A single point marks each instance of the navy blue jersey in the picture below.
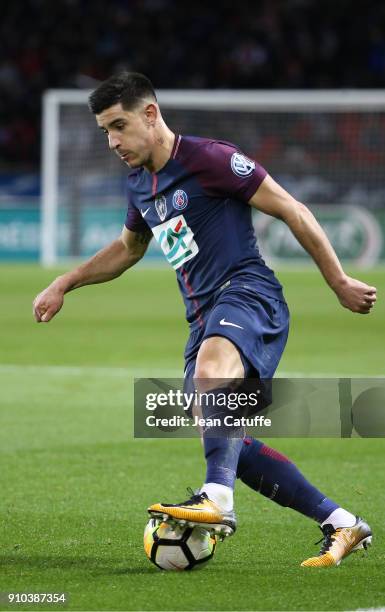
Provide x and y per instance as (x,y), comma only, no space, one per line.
(196,207)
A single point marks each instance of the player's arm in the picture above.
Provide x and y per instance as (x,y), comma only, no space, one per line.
(273,200)
(107,264)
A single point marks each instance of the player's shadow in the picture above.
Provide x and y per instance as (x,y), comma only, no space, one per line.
(94,566)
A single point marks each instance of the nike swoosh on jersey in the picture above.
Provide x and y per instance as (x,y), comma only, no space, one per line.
(223,322)
(144,212)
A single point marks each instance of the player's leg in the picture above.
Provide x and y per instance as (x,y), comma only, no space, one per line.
(273,475)
(239,326)
(218,370)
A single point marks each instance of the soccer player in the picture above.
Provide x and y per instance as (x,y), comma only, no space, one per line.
(195,196)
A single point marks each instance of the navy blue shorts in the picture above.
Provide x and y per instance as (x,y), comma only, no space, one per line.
(256,324)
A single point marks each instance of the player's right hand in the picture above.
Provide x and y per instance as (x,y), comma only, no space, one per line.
(47,304)
(356,296)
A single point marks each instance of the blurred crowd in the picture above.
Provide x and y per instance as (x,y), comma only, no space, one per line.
(223,44)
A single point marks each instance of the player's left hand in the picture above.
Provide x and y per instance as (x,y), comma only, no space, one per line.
(357,296)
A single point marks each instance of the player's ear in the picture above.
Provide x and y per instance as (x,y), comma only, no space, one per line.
(151,114)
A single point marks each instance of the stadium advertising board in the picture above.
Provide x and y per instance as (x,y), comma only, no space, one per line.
(357,234)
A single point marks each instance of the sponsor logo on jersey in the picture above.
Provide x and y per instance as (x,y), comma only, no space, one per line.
(144,212)
(179,199)
(176,240)
(242,165)
(161,207)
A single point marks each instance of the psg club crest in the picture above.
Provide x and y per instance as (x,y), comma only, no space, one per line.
(179,199)
(161,207)
(241,165)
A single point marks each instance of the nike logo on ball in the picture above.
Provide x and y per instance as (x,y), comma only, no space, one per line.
(223,322)
(144,212)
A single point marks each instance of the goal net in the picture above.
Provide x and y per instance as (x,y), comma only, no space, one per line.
(327,148)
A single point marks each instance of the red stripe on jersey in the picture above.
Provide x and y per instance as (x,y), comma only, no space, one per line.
(177,141)
(190,292)
(178,226)
(175,146)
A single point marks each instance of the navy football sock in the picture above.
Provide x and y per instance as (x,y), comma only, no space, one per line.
(222,443)
(274,476)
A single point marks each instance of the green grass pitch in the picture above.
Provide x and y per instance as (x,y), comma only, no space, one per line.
(75,484)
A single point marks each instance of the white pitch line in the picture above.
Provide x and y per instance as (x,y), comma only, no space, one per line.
(325,375)
(382,609)
(119,372)
(124,372)
(90,370)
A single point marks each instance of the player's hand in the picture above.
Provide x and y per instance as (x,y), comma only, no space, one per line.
(48,303)
(357,296)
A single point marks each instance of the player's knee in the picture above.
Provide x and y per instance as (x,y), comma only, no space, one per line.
(206,374)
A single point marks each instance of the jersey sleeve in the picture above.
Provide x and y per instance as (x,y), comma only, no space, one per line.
(134,220)
(229,172)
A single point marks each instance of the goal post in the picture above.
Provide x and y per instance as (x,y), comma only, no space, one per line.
(325,147)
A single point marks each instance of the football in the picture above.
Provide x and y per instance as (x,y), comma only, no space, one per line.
(171,547)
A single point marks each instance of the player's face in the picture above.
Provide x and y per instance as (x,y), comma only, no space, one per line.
(130,133)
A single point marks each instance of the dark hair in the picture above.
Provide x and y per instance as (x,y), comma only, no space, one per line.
(126,88)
